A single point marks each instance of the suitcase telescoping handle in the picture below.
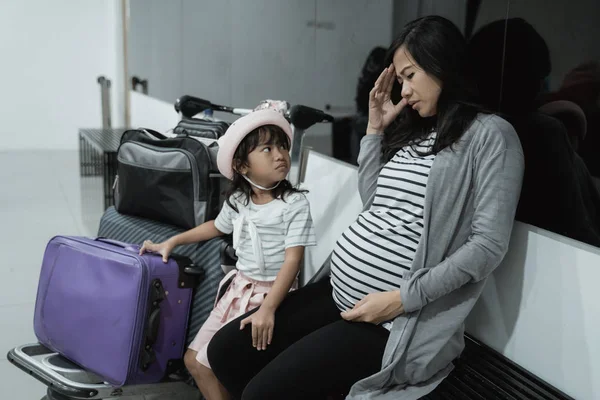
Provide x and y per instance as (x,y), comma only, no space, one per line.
(126,246)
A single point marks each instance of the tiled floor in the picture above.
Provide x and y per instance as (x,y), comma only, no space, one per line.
(39,198)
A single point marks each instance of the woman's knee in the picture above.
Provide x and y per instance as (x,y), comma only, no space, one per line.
(257,392)
(222,346)
(266,386)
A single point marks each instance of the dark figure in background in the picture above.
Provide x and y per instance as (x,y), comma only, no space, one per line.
(558,192)
(581,86)
(370,72)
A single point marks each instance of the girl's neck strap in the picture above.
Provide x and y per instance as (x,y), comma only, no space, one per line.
(258,186)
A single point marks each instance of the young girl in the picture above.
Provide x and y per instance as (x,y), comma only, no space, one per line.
(271,224)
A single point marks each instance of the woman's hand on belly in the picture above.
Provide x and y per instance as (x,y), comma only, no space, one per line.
(376,308)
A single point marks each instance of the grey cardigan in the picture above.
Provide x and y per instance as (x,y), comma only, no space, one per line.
(470,202)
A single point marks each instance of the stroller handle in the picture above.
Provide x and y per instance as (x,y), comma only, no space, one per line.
(301,116)
(189,106)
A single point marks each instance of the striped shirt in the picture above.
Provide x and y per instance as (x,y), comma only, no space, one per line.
(374,252)
(275,226)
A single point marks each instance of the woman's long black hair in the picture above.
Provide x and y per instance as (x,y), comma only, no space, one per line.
(439,48)
(271,135)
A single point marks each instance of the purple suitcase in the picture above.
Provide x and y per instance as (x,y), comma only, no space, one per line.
(113,312)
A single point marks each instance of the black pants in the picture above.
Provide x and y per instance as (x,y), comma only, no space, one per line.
(314,352)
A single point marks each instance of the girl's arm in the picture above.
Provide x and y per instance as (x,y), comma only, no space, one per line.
(208,230)
(300,233)
(285,278)
(263,320)
(200,233)
(222,225)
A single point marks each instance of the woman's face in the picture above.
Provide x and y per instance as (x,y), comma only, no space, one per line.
(420,89)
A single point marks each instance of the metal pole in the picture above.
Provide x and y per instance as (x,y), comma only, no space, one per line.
(105,100)
(125,22)
(296,156)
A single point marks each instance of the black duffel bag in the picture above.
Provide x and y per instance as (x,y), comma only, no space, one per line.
(173,180)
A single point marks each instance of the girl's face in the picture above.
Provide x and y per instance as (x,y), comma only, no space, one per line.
(269,162)
(421,90)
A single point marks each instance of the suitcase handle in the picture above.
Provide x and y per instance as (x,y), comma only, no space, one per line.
(127,246)
(188,272)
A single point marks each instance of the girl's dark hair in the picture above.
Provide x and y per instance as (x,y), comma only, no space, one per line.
(263,135)
(439,48)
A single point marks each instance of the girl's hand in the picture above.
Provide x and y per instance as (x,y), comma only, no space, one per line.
(164,249)
(376,308)
(381,109)
(263,322)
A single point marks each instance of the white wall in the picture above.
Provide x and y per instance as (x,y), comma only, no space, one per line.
(408,10)
(541,309)
(148,112)
(304,51)
(52,53)
(332,210)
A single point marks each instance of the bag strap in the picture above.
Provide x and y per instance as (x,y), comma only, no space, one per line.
(153,133)
(148,132)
